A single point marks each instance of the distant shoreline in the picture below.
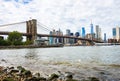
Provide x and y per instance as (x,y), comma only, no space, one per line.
(29,46)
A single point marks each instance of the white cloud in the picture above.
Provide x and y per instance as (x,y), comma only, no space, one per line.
(63,14)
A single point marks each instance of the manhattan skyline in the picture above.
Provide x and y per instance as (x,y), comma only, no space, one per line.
(64,14)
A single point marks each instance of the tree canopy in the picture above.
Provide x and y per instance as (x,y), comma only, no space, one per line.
(15,38)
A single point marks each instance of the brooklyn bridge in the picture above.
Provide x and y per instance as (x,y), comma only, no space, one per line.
(32,34)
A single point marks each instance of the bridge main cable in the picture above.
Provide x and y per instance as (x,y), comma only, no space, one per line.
(12,24)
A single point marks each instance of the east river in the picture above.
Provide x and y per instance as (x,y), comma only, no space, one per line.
(83,61)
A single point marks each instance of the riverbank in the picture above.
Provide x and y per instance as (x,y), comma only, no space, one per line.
(30,46)
(21,74)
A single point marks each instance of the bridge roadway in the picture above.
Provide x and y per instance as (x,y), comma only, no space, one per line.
(59,36)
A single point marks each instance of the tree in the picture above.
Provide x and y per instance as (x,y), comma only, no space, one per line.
(28,42)
(4,42)
(15,38)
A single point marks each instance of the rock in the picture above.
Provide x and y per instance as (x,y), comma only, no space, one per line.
(21,69)
(53,76)
(61,76)
(93,79)
(37,75)
(84,80)
(71,80)
(32,79)
(36,79)
(21,74)
(42,78)
(11,68)
(14,71)
(27,73)
(8,79)
(69,75)
(4,71)
(102,73)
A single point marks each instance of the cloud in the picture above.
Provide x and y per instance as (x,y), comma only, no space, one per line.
(72,14)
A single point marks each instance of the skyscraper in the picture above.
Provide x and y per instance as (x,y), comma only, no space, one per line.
(67,40)
(51,38)
(105,37)
(91,25)
(71,41)
(68,32)
(117,33)
(83,31)
(77,34)
(98,32)
(114,33)
(59,33)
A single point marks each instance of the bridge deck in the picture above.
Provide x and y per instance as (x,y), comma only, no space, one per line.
(46,35)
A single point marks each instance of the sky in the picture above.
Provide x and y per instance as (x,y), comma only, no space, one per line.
(63,14)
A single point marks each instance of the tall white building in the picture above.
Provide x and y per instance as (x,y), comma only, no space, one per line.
(117,33)
(98,32)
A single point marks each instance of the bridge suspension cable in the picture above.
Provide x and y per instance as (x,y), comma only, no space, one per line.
(12,24)
(44,26)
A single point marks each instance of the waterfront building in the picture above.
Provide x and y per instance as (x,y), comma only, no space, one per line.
(40,42)
(114,33)
(59,33)
(71,41)
(51,38)
(68,32)
(91,25)
(83,32)
(77,34)
(117,33)
(98,32)
(105,40)
(112,41)
(67,40)
(55,40)
(71,34)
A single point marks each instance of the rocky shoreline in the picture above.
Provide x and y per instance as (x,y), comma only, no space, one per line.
(21,74)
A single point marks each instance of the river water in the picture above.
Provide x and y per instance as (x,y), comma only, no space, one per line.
(84,61)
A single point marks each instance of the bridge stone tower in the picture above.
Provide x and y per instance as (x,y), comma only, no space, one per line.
(31,29)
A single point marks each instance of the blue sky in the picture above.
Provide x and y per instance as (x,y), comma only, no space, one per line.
(64,14)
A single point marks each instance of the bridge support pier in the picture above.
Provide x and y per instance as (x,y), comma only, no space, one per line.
(89,43)
(31,29)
